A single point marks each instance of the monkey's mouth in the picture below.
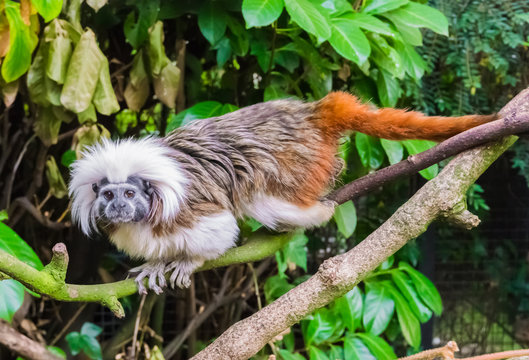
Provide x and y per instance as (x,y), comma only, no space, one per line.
(122,217)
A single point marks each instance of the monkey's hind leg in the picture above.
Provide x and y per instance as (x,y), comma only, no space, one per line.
(279,214)
(155,271)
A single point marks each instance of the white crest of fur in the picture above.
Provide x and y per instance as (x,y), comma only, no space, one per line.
(146,158)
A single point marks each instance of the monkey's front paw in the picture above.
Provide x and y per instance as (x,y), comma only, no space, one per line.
(182,270)
(156,274)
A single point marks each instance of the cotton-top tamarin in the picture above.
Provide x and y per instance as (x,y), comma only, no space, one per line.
(174,201)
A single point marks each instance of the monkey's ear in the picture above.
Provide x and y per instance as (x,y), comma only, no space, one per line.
(148,188)
(95,188)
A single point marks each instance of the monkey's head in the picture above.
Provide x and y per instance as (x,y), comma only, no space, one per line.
(129,201)
(118,182)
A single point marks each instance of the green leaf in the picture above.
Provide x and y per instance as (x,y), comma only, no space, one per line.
(48,9)
(56,351)
(345,217)
(336,352)
(11,243)
(405,286)
(378,309)
(11,297)
(68,158)
(21,44)
(90,329)
(349,41)
(378,347)
(261,12)
(419,15)
(417,146)
(55,180)
(83,74)
(74,342)
(317,354)
(350,308)
(47,125)
(389,89)
(136,32)
(369,22)
(295,251)
(36,75)
(320,328)
(212,21)
(308,17)
(413,63)
(369,149)
(380,6)
(275,286)
(202,110)
(156,50)
(166,85)
(410,34)
(239,41)
(287,355)
(273,92)
(425,288)
(59,54)
(355,349)
(137,89)
(393,149)
(409,324)
(3,215)
(385,56)
(105,99)
(223,48)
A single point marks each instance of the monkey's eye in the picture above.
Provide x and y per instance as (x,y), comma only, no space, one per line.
(109,195)
(129,194)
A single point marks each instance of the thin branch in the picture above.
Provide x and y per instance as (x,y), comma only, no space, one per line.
(444,352)
(24,203)
(22,345)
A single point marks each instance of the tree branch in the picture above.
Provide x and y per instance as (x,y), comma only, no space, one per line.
(23,345)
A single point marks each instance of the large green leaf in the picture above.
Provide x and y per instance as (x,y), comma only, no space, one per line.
(308,17)
(137,31)
(166,85)
(410,34)
(370,151)
(389,89)
(369,22)
(425,288)
(321,327)
(105,99)
(409,324)
(350,308)
(36,75)
(349,41)
(381,6)
(378,309)
(21,44)
(345,217)
(317,354)
(355,349)
(261,12)
(47,125)
(393,149)
(137,89)
(295,251)
(59,54)
(239,41)
(275,286)
(48,9)
(287,355)
(156,50)
(83,74)
(417,146)
(413,63)
(405,286)
(419,15)
(11,243)
(378,347)
(11,298)
(212,21)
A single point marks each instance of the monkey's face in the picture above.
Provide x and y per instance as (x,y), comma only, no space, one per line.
(119,203)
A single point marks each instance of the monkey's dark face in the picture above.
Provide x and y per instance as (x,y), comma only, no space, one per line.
(122,202)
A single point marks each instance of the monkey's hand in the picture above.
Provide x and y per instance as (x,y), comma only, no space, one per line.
(155,271)
(182,270)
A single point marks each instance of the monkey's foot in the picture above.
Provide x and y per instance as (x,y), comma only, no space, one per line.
(156,274)
(182,270)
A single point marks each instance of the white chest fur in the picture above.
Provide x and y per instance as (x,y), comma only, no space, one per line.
(210,237)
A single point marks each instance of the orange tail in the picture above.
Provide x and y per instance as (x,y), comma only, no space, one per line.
(339,111)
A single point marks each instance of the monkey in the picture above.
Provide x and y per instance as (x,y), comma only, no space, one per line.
(174,201)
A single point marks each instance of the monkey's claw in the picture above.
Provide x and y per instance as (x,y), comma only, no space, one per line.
(182,270)
(156,274)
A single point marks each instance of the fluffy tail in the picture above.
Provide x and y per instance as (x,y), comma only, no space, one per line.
(339,112)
